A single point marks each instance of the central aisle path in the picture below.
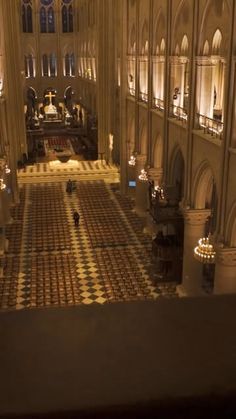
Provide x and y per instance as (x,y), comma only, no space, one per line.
(52,262)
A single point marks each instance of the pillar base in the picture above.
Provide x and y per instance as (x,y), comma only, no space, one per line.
(225,271)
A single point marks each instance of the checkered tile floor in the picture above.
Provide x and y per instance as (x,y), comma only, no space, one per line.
(50,262)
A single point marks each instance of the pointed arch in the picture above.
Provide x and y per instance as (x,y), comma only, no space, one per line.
(206,48)
(144,39)
(216,42)
(184,45)
(204,180)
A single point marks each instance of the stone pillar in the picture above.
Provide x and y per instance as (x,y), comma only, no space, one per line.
(106,92)
(225,271)
(194,229)
(141,196)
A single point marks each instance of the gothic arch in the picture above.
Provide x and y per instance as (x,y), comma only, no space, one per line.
(132,43)
(159,30)
(181,20)
(211,8)
(158,152)
(203,186)
(230,231)
(144,38)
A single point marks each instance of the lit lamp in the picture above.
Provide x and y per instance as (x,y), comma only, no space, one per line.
(132,160)
(7,169)
(143,176)
(204,252)
(176,93)
(1,87)
(2,185)
(158,191)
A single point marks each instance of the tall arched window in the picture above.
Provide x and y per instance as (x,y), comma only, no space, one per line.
(47,20)
(67,16)
(53,65)
(43,23)
(69,65)
(27,24)
(51,21)
(29,66)
(45,65)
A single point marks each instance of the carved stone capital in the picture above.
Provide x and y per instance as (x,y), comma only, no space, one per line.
(195,216)
(226,256)
(155,173)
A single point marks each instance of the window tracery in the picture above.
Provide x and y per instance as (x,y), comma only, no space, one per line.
(26,14)
(67,16)
(47,18)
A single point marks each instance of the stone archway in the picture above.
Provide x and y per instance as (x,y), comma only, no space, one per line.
(204,188)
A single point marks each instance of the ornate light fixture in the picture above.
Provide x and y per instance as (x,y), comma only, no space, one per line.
(205,252)
(143,176)
(158,191)
(4,165)
(2,185)
(132,160)
(7,169)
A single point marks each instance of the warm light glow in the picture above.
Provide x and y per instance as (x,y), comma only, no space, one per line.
(143,175)
(158,191)
(132,161)
(2,185)
(204,252)
(7,169)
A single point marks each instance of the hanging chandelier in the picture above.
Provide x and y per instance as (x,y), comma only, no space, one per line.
(204,252)
(158,191)
(132,161)
(143,176)
(7,169)
(2,185)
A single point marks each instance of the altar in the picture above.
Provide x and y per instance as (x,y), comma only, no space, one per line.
(51,113)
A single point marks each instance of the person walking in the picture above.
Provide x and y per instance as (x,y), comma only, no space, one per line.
(76,217)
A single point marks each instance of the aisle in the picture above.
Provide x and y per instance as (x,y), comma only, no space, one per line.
(50,262)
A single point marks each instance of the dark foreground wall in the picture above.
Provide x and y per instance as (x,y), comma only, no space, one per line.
(166,359)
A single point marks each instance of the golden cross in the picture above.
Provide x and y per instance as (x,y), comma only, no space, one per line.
(50,95)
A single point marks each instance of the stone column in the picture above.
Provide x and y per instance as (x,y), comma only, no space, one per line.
(194,229)
(225,271)
(141,196)
(106,92)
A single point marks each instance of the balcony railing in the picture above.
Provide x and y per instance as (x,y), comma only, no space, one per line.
(210,126)
(143,97)
(178,113)
(158,103)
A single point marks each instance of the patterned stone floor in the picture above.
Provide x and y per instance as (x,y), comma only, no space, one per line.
(50,262)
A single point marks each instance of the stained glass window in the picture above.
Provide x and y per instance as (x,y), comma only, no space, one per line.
(67,16)
(26,14)
(47,19)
